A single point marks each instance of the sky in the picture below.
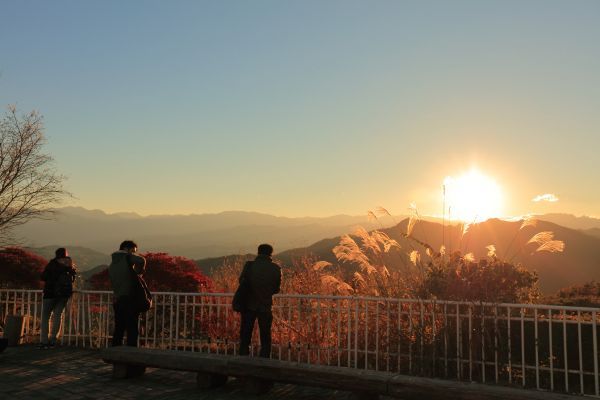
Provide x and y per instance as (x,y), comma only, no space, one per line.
(311,108)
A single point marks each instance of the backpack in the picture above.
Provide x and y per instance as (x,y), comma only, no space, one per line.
(140,294)
(63,285)
(240,297)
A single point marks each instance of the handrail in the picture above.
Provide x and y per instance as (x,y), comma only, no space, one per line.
(358,298)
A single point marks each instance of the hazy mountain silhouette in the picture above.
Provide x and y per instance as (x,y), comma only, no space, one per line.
(84,258)
(92,235)
(194,236)
(87,274)
(571,221)
(593,232)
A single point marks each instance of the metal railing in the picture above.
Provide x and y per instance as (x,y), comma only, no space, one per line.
(544,347)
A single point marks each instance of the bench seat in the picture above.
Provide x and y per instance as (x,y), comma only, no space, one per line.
(214,369)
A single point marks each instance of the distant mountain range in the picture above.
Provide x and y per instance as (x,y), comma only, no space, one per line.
(194,236)
(571,221)
(92,235)
(593,232)
(84,258)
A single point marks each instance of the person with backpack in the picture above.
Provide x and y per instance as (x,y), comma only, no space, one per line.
(259,281)
(122,271)
(58,277)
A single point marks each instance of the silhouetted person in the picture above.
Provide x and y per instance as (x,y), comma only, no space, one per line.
(125,263)
(58,277)
(263,278)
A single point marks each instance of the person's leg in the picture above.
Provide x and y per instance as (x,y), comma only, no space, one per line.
(57,315)
(120,321)
(246,327)
(133,319)
(265,319)
(47,306)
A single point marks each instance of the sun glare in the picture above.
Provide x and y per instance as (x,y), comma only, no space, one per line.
(472,197)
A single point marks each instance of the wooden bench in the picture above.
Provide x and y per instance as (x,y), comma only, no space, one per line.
(258,374)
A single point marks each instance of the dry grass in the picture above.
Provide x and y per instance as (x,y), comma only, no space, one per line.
(541,237)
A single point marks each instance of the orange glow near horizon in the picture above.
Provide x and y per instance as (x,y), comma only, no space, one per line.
(472,197)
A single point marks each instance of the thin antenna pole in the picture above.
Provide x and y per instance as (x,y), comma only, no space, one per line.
(450,231)
(444,218)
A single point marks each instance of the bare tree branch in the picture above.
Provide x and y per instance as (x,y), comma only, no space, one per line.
(30,187)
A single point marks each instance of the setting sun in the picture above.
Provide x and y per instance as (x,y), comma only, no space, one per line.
(472,197)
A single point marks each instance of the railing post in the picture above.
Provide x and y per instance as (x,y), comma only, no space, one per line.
(551,352)
(470,342)
(388,305)
(537,355)
(523,369)
(445,327)
(509,323)
(458,343)
(565,351)
(580,348)
(496,344)
(410,336)
(595,353)
(483,360)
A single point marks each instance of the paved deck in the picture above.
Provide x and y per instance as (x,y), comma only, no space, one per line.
(71,373)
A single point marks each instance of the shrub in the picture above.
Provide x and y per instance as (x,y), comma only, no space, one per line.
(164,273)
(20,269)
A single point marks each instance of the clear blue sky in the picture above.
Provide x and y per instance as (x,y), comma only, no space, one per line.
(310,107)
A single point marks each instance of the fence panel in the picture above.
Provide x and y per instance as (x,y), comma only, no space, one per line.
(534,346)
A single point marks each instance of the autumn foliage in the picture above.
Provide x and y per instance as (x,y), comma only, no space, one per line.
(20,269)
(164,273)
(487,280)
(585,295)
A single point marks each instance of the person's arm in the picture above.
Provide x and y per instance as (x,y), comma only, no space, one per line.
(72,269)
(73,272)
(46,273)
(244,274)
(139,264)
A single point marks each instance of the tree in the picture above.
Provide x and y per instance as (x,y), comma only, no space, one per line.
(29,184)
(584,295)
(20,269)
(461,277)
(164,273)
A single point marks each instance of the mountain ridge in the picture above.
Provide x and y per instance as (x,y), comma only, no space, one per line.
(194,236)
(233,233)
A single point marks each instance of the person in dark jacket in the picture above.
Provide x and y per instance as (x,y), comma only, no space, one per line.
(58,277)
(120,271)
(263,278)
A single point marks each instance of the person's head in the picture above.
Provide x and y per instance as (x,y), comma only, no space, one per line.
(61,252)
(265,250)
(129,246)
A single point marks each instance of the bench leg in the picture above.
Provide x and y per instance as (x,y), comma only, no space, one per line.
(119,371)
(364,396)
(208,381)
(257,386)
(122,371)
(134,371)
